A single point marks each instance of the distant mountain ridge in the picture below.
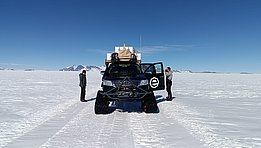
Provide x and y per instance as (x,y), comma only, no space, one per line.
(80,67)
(183,71)
(99,68)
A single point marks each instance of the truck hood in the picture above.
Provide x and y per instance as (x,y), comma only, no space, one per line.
(138,77)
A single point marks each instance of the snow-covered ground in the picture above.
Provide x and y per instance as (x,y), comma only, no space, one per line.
(42,109)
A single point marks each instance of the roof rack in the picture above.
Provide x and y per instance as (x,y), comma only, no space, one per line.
(123,54)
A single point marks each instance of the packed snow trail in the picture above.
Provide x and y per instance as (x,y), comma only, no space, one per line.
(42,109)
(52,125)
(121,129)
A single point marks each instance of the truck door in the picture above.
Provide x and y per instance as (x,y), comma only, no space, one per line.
(155,74)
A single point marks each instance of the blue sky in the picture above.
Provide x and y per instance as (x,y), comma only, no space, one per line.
(200,35)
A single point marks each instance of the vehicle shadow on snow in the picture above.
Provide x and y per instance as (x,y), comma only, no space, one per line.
(92,99)
(121,106)
(134,106)
(160,98)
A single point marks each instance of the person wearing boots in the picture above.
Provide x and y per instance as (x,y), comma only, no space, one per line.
(82,84)
(169,75)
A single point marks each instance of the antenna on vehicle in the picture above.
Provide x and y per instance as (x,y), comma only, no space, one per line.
(140,43)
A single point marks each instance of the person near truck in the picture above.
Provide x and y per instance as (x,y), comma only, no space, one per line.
(82,84)
(169,75)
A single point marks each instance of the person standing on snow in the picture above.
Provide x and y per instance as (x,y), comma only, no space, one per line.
(169,75)
(82,84)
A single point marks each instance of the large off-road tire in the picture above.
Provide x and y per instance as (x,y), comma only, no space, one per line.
(101,104)
(149,104)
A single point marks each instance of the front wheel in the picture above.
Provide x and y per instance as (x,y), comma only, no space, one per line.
(101,104)
(149,104)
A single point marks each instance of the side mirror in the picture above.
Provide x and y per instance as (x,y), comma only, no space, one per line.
(102,72)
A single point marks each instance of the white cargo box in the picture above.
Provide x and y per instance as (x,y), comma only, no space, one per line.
(131,49)
(108,56)
(124,53)
(138,56)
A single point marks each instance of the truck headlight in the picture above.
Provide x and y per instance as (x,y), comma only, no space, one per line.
(143,82)
(107,83)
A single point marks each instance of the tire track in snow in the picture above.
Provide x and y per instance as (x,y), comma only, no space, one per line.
(10,132)
(145,130)
(90,130)
(157,130)
(85,130)
(40,134)
(74,133)
(54,122)
(189,119)
(118,133)
(105,131)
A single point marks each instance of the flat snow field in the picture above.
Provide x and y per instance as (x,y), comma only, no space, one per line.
(42,109)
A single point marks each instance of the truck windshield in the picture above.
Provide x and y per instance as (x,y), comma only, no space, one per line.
(124,70)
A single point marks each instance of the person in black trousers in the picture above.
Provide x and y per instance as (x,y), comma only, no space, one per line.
(169,75)
(82,84)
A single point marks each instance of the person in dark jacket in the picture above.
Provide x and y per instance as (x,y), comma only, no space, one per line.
(82,84)
(169,75)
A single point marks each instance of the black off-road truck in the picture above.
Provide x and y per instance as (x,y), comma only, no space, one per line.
(129,81)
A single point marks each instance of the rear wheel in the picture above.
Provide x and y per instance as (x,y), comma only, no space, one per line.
(149,104)
(101,104)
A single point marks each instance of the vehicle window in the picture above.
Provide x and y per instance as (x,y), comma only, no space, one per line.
(144,67)
(124,70)
(158,68)
(150,70)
